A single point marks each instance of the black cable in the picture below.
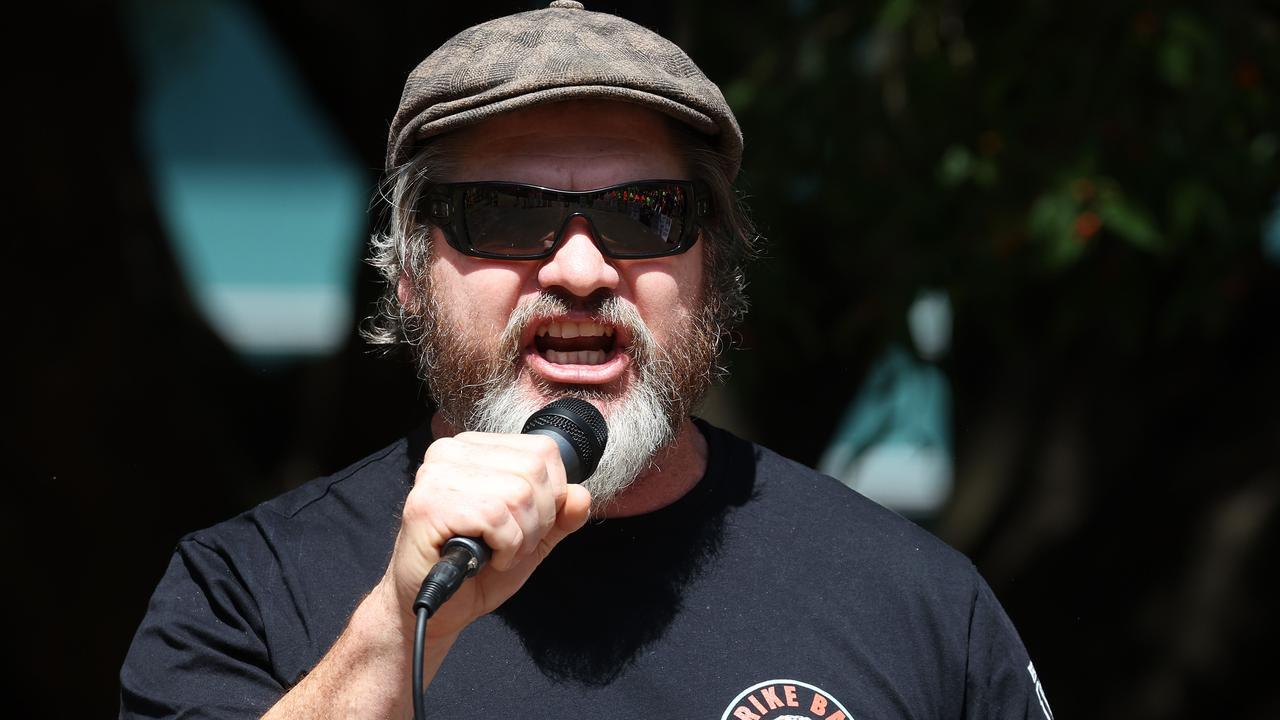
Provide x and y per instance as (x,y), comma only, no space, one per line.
(580,434)
(460,558)
(419,649)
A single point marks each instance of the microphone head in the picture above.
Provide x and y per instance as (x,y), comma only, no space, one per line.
(579,423)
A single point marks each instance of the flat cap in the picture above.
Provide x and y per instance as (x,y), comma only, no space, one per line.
(562,52)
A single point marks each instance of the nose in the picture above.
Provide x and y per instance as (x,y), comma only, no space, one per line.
(577,265)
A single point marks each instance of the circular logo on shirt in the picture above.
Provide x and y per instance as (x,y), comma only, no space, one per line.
(785,700)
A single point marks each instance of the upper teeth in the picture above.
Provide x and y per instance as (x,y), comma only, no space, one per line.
(575,329)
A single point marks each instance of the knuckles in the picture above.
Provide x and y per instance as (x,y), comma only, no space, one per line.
(528,456)
(417,507)
(490,510)
(469,482)
(443,448)
(545,446)
(521,496)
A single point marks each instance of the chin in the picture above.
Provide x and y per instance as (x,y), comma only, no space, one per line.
(605,397)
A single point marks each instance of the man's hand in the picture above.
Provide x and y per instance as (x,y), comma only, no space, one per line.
(508,490)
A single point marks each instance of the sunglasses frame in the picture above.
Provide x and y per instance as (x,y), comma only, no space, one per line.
(442,203)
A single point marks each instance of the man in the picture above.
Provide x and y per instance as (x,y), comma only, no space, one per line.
(562,224)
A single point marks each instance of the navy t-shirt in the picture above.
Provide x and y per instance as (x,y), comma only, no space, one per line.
(767,592)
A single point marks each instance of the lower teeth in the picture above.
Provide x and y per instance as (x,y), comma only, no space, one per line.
(579,357)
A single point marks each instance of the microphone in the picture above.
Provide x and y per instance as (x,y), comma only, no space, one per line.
(580,433)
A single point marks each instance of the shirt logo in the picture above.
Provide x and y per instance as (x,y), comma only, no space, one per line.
(1044,701)
(785,700)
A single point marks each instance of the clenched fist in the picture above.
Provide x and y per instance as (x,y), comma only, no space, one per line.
(509,491)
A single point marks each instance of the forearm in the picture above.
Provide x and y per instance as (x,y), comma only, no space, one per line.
(508,490)
(366,674)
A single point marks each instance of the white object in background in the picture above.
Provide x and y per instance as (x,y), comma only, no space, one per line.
(894,443)
(264,204)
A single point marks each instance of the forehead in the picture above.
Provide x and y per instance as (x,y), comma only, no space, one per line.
(575,145)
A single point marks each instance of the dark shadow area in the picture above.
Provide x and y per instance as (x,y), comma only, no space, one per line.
(626,575)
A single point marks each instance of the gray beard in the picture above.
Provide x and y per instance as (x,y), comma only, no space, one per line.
(638,429)
(642,421)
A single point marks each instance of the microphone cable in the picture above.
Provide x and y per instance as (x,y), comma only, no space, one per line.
(460,558)
(419,649)
(580,433)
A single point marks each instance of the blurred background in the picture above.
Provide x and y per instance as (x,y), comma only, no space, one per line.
(1022,284)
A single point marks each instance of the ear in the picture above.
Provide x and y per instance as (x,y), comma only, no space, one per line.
(404,292)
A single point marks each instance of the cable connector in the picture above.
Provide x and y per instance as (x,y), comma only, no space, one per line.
(460,558)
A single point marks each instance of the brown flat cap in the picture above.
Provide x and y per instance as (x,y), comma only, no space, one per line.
(560,53)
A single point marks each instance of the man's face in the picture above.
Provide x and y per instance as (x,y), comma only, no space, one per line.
(640,323)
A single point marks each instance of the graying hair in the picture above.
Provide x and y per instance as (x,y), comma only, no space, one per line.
(402,247)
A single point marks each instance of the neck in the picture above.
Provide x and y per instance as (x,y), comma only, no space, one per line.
(674,471)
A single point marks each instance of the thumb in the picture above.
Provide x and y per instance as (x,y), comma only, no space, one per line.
(572,516)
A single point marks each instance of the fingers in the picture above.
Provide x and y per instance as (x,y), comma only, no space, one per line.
(540,445)
(505,489)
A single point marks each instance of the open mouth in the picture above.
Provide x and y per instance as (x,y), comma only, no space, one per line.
(583,342)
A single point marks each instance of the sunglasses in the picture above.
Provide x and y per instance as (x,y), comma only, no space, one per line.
(515,221)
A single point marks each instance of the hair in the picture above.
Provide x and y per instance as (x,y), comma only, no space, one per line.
(402,247)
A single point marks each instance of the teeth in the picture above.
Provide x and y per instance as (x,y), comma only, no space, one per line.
(580,357)
(575,329)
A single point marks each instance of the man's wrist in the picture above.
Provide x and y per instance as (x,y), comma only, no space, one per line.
(383,620)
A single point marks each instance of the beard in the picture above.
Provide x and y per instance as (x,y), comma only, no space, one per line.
(486,389)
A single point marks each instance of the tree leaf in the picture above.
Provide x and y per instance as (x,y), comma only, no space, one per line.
(1130,222)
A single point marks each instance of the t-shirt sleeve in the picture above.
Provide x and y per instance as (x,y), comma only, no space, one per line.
(1000,680)
(199,652)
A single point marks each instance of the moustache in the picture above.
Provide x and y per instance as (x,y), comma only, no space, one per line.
(603,308)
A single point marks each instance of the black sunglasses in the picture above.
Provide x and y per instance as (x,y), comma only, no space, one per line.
(515,221)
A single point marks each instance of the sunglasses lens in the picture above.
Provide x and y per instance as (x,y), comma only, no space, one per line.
(516,221)
(511,221)
(641,220)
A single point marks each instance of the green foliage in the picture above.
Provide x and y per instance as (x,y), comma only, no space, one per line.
(996,149)
(1129,221)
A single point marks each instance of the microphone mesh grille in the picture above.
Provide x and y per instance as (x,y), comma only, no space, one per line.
(578,422)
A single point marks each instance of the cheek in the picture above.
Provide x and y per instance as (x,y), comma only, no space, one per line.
(481,294)
(668,293)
